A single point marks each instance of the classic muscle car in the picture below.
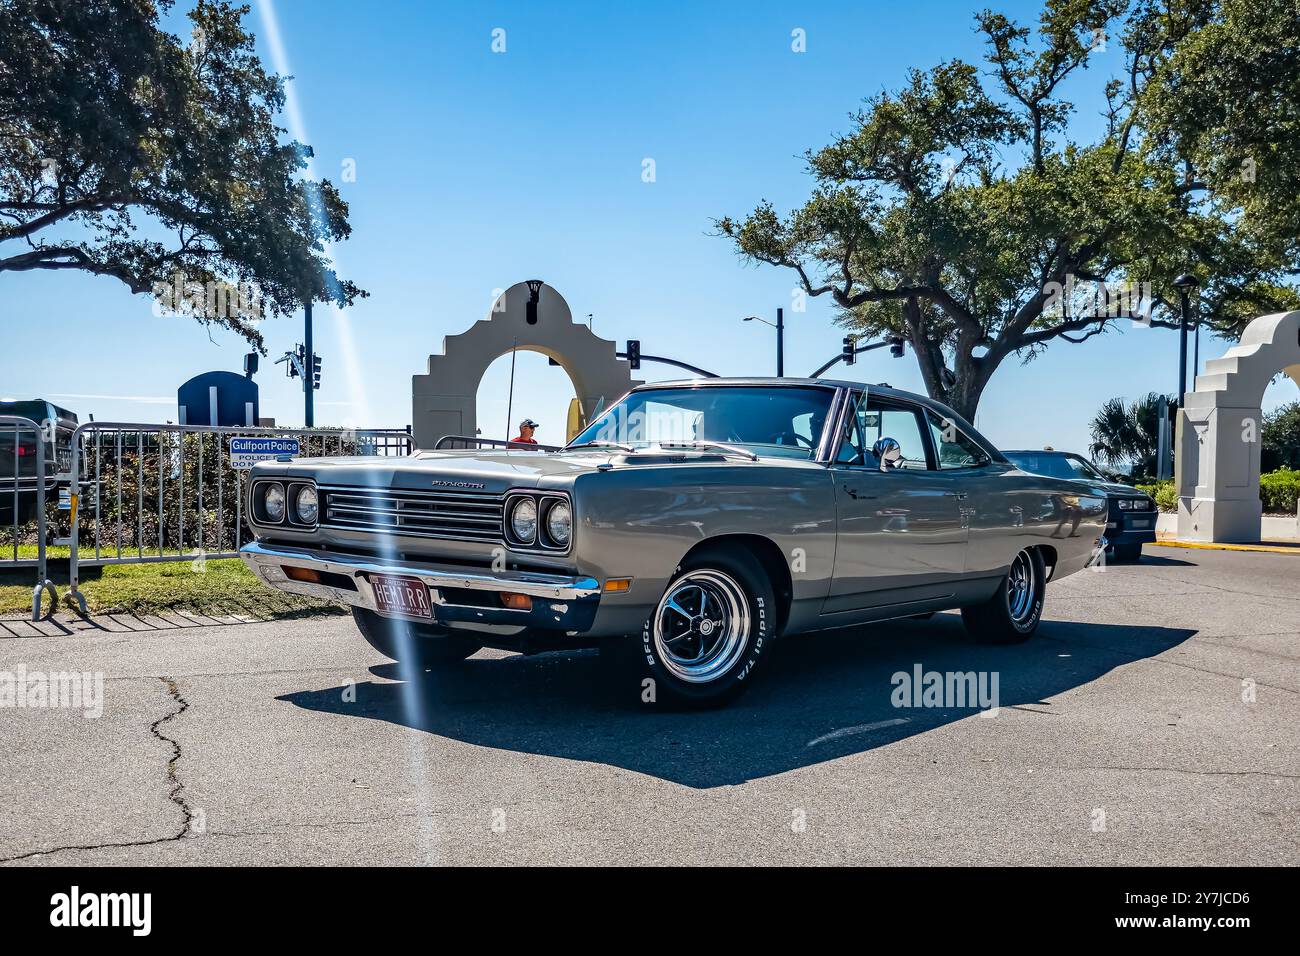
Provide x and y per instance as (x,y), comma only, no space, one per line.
(682,532)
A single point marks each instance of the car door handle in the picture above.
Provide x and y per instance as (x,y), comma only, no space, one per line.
(959,495)
(855,494)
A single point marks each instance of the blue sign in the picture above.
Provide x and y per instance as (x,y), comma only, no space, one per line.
(246,452)
(218,398)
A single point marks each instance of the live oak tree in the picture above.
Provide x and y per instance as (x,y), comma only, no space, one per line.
(959,212)
(128,152)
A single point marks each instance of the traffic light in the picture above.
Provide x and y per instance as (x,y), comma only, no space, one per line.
(849,352)
(897,347)
(634,353)
(315,371)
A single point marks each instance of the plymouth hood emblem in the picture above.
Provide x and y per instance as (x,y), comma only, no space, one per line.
(442,483)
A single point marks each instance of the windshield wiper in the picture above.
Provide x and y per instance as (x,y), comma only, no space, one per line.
(601,444)
(734,449)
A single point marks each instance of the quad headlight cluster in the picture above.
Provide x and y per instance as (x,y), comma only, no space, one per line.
(275,501)
(1136,504)
(542,521)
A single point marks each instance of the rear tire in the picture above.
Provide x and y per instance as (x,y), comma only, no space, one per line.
(702,645)
(1128,553)
(1012,614)
(420,645)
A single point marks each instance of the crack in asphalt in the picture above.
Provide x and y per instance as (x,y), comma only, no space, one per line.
(175,791)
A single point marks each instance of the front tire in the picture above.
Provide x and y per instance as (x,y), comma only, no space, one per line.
(422,646)
(703,642)
(1012,614)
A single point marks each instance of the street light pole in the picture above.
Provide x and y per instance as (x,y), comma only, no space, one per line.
(779,325)
(1185,283)
(1196,352)
(780,343)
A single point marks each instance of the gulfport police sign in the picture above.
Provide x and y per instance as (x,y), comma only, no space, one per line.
(247,452)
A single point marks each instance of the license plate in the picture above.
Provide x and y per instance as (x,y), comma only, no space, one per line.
(1144,523)
(408,597)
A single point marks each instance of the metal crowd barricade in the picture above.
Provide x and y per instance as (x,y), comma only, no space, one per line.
(153,493)
(16,425)
(464,442)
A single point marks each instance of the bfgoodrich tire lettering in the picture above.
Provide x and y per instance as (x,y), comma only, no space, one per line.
(702,644)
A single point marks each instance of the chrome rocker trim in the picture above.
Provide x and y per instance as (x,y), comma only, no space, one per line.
(576,597)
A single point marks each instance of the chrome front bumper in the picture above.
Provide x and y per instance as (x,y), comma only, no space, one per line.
(560,603)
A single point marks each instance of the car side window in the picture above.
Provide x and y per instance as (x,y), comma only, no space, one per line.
(851,450)
(955,449)
(904,426)
(869,422)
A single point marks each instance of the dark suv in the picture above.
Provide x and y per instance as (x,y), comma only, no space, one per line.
(18,458)
(1131,521)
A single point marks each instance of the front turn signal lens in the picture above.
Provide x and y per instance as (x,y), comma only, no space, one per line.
(516,602)
(309,575)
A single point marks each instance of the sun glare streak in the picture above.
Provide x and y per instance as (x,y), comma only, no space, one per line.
(411,688)
(360,405)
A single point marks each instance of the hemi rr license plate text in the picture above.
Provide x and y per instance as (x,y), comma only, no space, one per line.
(407,597)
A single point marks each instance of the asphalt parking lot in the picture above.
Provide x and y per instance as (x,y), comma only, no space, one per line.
(1125,735)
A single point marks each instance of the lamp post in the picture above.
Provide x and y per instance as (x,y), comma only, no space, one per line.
(779,325)
(1185,283)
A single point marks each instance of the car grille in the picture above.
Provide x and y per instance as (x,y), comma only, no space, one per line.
(469,516)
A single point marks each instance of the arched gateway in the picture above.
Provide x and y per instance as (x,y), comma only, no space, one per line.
(1219,432)
(528,315)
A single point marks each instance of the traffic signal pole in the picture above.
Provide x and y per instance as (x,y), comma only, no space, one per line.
(848,355)
(308,379)
(635,357)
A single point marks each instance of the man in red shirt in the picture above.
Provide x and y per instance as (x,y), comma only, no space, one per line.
(526,429)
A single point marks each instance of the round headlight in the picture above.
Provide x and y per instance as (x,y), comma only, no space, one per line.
(273,502)
(559,523)
(306,505)
(523,520)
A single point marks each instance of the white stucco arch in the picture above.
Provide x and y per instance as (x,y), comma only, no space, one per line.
(1218,448)
(444,400)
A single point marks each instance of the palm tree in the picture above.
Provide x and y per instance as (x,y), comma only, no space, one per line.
(1128,433)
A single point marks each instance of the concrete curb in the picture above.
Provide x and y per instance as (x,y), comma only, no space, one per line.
(1216,546)
(64,624)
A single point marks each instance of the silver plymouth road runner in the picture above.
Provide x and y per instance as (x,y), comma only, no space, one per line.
(682,532)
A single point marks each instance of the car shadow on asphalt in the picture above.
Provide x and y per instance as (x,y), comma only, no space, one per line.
(1162,561)
(822,696)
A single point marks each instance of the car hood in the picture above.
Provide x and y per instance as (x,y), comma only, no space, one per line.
(475,471)
(1116,489)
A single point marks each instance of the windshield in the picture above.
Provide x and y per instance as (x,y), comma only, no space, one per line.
(785,421)
(1054,465)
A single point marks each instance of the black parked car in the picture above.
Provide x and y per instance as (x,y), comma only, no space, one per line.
(18,458)
(1131,521)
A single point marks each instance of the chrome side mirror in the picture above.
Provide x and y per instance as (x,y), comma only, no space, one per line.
(888,452)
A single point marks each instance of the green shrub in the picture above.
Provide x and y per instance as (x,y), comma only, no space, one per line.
(1278,490)
(1164,492)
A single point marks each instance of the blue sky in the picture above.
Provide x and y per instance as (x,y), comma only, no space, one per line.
(475,170)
